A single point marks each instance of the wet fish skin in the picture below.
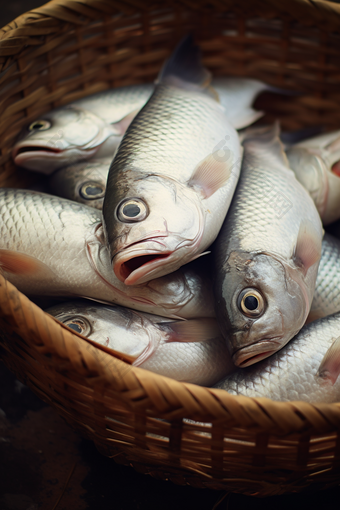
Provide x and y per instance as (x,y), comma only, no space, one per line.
(71,134)
(269,245)
(147,338)
(291,373)
(110,112)
(316,165)
(52,246)
(326,299)
(83,182)
(167,162)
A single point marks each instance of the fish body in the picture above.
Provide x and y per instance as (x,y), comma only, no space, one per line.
(52,246)
(150,341)
(65,136)
(266,255)
(96,124)
(316,163)
(292,373)
(326,299)
(173,177)
(83,182)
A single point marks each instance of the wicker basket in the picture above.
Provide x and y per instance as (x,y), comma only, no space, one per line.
(69,49)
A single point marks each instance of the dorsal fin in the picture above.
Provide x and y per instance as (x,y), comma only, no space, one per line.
(184,69)
(266,141)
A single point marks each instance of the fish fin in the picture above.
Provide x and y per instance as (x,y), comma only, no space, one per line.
(121,126)
(314,315)
(329,368)
(289,138)
(244,119)
(193,330)
(336,168)
(212,173)
(284,92)
(266,140)
(334,145)
(308,246)
(200,255)
(184,68)
(21,264)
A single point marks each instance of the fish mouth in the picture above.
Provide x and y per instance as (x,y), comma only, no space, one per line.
(133,267)
(21,154)
(256,352)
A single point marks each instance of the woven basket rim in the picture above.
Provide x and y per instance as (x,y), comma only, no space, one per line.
(30,27)
(105,370)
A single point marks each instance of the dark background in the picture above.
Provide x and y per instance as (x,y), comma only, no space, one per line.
(44,464)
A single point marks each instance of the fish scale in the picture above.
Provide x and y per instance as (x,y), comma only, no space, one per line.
(272,227)
(290,374)
(253,210)
(170,168)
(48,247)
(171,117)
(326,299)
(148,338)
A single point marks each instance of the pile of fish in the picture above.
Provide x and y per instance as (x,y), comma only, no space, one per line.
(201,247)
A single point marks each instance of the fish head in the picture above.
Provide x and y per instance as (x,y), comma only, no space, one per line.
(114,327)
(83,182)
(264,304)
(156,226)
(59,138)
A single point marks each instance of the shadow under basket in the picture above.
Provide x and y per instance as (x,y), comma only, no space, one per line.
(66,50)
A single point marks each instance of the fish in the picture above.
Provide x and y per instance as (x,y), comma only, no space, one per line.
(189,351)
(305,369)
(173,176)
(95,125)
(50,246)
(266,257)
(316,163)
(83,182)
(326,298)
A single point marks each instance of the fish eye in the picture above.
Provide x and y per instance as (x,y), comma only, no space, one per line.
(92,190)
(131,210)
(39,125)
(79,325)
(251,303)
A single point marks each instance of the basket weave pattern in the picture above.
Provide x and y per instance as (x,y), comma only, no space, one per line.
(66,50)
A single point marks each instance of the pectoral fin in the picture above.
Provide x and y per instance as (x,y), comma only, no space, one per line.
(330,365)
(246,117)
(193,330)
(21,264)
(121,126)
(308,246)
(213,172)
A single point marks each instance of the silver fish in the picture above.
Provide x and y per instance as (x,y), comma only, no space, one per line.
(305,369)
(83,182)
(326,299)
(189,351)
(173,177)
(267,254)
(52,246)
(316,163)
(96,124)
